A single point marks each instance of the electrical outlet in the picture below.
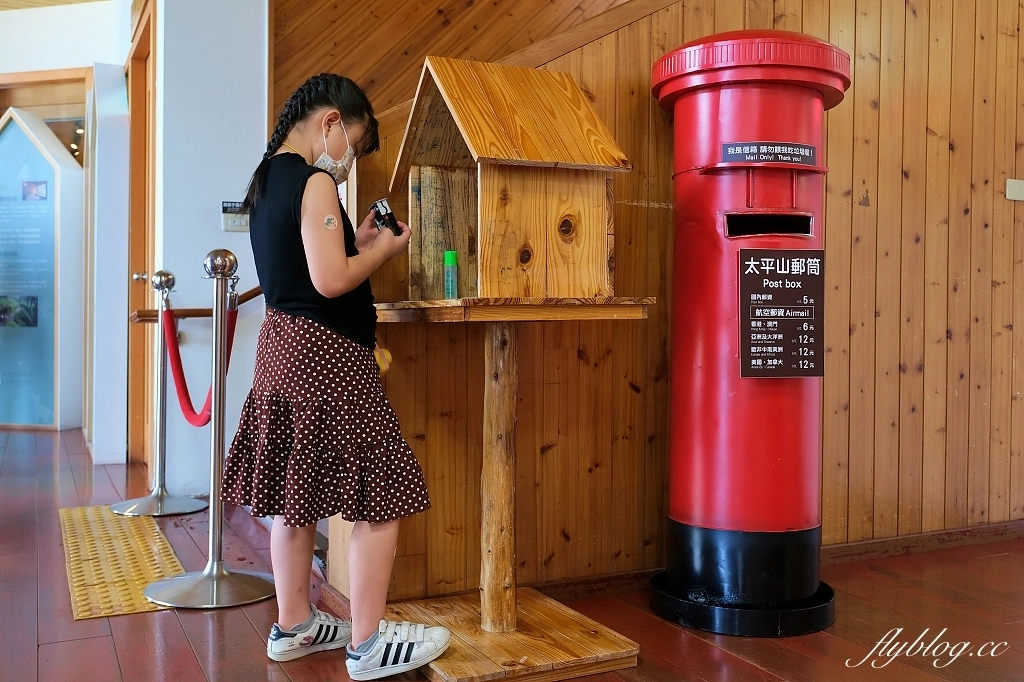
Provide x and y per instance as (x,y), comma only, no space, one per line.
(231,219)
(1015,190)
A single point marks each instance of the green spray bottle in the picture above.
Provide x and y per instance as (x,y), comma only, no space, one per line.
(451,274)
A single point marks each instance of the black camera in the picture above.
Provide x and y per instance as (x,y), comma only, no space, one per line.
(384,217)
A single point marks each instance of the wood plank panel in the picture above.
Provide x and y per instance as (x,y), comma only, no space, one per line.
(590,475)
(579,36)
(530,448)
(471,377)
(759,14)
(1004,142)
(788,15)
(411,30)
(838,216)
(32,95)
(406,385)
(79,660)
(228,647)
(816,19)
(574,227)
(371,178)
(634,232)
(936,239)
(668,33)
(19,556)
(595,475)
(887,299)
(432,137)
(698,18)
(563,424)
(980,413)
(444,201)
(729,15)
(1017,405)
(958,279)
(513,246)
(446,426)
(560,505)
(912,257)
(169,654)
(864,224)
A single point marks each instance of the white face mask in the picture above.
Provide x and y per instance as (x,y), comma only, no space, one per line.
(339,170)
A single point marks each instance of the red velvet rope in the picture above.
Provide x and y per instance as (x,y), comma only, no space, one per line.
(174,355)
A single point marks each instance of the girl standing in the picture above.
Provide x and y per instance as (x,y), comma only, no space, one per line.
(317,436)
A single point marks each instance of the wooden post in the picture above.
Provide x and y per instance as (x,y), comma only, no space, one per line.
(498,487)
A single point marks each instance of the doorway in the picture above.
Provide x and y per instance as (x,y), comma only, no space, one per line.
(140,72)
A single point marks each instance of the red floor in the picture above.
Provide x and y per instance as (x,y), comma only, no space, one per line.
(976,592)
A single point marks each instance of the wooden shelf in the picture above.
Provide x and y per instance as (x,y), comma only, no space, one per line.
(552,642)
(515,309)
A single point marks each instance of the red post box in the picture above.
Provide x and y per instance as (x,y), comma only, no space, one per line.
(747,327)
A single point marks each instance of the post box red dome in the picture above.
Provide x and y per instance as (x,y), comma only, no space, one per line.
(756,56)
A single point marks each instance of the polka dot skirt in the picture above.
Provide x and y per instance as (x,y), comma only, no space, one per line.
(317,435)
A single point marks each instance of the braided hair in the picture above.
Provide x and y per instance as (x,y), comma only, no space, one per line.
(326,91)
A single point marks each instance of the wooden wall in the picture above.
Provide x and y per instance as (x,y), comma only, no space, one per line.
(381,45)
(923,421)
(56,100)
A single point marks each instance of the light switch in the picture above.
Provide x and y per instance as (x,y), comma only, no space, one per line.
(232,220)
(1015,190)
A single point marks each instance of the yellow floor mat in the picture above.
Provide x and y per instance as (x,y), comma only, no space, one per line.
(110,560)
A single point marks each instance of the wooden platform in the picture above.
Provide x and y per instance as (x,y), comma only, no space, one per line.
(551,642)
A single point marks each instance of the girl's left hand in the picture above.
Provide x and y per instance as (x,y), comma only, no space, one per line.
(367,232)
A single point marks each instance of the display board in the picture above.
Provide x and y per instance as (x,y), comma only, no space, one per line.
(32,206)
(782,329)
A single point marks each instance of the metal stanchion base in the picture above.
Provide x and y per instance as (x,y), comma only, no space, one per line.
(214,588)
(159,503)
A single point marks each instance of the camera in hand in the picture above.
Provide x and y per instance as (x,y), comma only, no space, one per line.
(384,217)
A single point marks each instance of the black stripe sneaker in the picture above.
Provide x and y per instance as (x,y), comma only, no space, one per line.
(320,632)
(396,648)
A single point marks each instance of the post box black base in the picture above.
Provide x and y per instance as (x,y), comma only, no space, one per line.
(783,620)
(741,568)
(753,583)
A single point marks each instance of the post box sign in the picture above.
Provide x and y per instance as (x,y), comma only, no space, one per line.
(770,152)
(782,295)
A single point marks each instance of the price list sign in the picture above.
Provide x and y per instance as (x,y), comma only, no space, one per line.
(782,295)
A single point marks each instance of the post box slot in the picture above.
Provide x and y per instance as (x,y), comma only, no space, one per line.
(749,224)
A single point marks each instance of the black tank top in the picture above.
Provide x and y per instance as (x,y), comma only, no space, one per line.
(275,231)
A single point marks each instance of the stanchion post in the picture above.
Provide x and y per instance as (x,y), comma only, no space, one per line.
(215,586)
(159,502)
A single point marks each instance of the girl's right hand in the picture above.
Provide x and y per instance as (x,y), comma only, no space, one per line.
(391,243)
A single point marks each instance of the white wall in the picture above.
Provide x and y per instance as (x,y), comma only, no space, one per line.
(109,428)
(64,36)
(210,134)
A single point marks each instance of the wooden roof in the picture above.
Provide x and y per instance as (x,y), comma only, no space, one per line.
(474,112)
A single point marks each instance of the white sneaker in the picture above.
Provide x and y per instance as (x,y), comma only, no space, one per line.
(400,647)
(324,632)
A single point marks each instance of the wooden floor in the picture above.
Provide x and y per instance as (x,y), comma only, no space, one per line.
(976,592)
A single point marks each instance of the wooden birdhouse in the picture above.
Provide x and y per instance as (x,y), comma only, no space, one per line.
(510,168)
